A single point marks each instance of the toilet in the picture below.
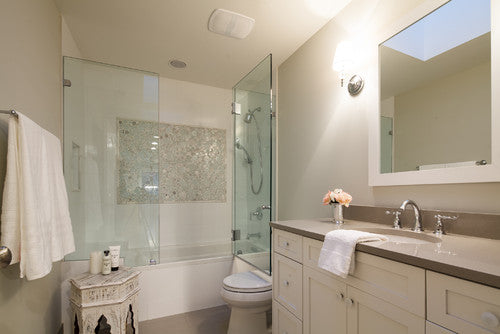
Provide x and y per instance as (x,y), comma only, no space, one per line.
(249,295)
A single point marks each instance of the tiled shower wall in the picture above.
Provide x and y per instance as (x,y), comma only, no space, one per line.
(192,163)
(205,115)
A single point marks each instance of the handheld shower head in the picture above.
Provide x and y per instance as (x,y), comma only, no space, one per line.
(249,115)
(240,146)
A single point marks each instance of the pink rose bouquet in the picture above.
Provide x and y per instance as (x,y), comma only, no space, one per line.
(337,196)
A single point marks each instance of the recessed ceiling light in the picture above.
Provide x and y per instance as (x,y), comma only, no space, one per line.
(176,63)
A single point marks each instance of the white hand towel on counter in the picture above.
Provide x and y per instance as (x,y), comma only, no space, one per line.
(45,228)
(337,253)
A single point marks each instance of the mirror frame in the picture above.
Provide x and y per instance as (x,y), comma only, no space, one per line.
(469,174)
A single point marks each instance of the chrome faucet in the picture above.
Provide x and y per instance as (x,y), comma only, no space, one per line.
(418,214)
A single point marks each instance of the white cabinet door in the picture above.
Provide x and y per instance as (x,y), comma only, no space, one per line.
(370,315)
(324,310)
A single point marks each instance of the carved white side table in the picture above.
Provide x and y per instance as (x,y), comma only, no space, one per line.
(106,303)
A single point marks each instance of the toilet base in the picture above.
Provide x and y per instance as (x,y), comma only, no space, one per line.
(248,321)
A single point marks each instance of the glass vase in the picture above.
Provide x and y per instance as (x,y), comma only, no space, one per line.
(337,214)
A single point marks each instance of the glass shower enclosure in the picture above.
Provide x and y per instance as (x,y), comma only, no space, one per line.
(252,174)
(111,159)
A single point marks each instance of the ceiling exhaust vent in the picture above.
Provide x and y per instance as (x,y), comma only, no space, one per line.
(230,24)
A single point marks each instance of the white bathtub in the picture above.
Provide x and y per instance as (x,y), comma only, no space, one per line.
(188,278)
(178,253)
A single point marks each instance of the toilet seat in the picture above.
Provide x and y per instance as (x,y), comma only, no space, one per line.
(246,282)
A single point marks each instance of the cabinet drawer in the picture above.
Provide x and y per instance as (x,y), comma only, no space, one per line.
(287,284)
(284,322)
(462,306)
(288,244)
(397,283)
(432,328)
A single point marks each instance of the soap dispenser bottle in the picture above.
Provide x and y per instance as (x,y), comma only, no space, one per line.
(106,263)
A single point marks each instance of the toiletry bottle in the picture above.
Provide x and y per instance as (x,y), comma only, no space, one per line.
(95,262)
(115,257)
(106,263)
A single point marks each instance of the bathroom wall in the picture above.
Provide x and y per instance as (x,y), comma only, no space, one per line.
(323,131)
(30,82)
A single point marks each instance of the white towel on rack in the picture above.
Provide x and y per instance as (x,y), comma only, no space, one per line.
(45,228)
(10,220)
(337,253)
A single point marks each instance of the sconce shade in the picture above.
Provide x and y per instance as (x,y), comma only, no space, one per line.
(343,59)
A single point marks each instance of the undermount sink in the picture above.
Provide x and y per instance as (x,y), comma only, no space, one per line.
(403,236)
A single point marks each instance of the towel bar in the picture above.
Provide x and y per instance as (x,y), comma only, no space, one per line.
(10,112)
(5,256)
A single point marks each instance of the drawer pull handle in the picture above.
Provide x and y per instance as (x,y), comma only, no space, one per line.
(349,302)
(489,319)
(286,283)
(286,243)
(340,295)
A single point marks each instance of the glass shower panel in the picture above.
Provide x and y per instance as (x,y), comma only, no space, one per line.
(111,159)
(252,211)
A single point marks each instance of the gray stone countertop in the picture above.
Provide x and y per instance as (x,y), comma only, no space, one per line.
(471,258)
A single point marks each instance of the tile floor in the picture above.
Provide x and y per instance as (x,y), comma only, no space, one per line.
(208,321)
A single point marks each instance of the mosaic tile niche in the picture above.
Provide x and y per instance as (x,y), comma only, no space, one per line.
(192,162)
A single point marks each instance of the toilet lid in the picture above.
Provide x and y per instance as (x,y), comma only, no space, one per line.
(246,282)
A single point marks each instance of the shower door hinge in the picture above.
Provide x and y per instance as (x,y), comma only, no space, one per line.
(235,108)
(236,235)
(273,114)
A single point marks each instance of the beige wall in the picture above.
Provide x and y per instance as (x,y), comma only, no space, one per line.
(323,132)
(446,120)
(30,81)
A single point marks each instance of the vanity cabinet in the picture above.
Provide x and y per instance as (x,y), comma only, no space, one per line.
(378,298)
(382,296)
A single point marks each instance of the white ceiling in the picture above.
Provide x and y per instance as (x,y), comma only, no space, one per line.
(146,34)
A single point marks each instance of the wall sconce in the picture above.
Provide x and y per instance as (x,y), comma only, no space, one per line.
(342,63)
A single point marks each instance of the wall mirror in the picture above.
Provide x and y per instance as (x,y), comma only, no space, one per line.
(435,121)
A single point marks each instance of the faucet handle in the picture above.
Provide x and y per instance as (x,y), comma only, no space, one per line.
(439,224)
(397,222)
